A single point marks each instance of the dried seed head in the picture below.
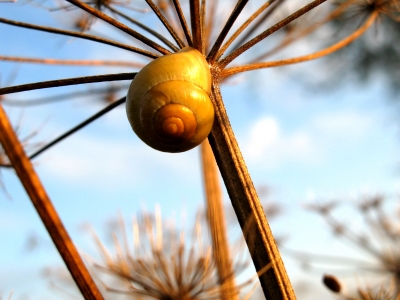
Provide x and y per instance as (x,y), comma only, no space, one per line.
(332,283)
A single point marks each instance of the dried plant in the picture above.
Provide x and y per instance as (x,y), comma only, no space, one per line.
(333,284)
(160,265)
(274,282)
(380,239)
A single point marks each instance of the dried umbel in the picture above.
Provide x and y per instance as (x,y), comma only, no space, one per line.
(168,103)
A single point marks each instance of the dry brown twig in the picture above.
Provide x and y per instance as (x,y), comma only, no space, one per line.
(274,282)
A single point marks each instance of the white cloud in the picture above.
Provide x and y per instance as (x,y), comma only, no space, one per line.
(88,159)
(347,125)
(314,141)
(263,135)
(267,143)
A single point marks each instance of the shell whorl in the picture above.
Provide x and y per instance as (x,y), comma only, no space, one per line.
(168,104)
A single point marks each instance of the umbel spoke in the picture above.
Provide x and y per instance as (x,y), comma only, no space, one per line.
(119,25)
(356,34)
(75,129)
(166,24)
(220,39)
(65,82)
(78,35)
(224,62)
(71,62)
(144,27)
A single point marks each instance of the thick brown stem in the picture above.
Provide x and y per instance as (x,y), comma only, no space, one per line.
(45,209)
(216,221)
(274,282)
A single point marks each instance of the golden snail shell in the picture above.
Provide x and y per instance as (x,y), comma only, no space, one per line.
(168,103)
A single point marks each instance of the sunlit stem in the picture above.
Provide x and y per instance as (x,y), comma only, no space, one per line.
(224,32)
(298,35)
(195,22)
(49,216)
(78,35)
(217,224)
(165,22)
(182,20)
(65,82)
(144,27)
(224,62)
(262,246)
(241,28)
(356,34)
(119,25)
(71,62)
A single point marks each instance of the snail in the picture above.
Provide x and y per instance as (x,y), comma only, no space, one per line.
(168,103)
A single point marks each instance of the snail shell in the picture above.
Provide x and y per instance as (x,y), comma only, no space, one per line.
(168,103)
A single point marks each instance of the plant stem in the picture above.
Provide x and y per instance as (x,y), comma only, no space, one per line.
(144,27)
(182,20)
(45,209)
(72,62)
(233,37)
(119,25)
(197,36)
(274,282)
(224,32)
(79,35)
(217,226)
(165,22)
(224,62)
(355,35)
(65,82)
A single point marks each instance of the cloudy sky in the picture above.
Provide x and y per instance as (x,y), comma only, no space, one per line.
(305,146)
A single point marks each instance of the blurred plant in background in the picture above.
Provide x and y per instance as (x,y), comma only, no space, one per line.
(377,236)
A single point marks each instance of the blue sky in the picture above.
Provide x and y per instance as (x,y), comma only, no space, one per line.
(304,146)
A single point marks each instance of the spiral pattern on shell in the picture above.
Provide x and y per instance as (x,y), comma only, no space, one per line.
(168,103)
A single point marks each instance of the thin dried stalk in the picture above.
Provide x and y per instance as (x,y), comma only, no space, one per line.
(210,23)
(182,20)
(71,62)
(196,24)
(275,282)
(271,10)
(216,222)
(79,35)
(355,35)
(203,9)
(166,23)
(222,50)
(119,25)
(65,82)
(100,92)
(144,27)
(224,32)
(45,209)
(269,31)
(298,35)
(74,129)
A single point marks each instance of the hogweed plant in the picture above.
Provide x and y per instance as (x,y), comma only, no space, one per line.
(202,53)
(161,261)
(379,238)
